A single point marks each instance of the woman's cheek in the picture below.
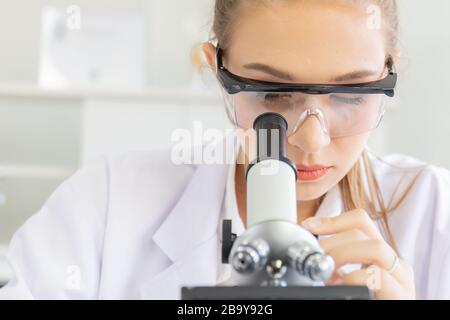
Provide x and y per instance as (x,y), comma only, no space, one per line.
(348,151)
(342,153)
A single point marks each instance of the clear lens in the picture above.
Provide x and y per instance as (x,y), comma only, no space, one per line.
(344,114)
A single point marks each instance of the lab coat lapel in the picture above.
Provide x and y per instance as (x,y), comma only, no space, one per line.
(332,205)
(189,237)
(197,268)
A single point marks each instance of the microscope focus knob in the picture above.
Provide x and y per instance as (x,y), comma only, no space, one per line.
(319,267)
(250,256)
(310,261)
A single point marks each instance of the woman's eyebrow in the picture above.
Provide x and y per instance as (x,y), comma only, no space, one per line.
(360,74)
(355,75)
(270,70)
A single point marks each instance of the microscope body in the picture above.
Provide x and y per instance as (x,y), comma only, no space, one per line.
(275,258)
(275,250)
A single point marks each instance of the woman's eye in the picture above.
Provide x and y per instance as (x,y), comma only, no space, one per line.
(353,100)
(277,98)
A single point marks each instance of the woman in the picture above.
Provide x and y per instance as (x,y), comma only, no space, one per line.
(140,226)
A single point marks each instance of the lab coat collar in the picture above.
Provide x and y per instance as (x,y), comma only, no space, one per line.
(198,267)
(194,218)
(331,205)
(188,236)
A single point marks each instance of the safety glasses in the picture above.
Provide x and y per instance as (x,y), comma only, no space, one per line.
(342,109)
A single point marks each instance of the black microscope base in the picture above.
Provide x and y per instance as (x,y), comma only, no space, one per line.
(276,293)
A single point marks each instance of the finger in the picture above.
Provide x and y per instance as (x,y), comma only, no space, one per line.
(367,252)
(404,274)
(370,253)
(341,239)
(378,280)
(336,277)
(335,280)
(355,219)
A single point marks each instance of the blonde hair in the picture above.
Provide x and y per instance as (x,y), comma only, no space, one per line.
(226,11)
(353,191)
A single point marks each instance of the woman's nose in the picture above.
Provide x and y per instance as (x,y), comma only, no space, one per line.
(310,137)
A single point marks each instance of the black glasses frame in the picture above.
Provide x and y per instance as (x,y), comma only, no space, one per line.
(233,83)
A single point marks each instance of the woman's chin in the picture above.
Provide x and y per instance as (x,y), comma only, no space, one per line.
(312,191)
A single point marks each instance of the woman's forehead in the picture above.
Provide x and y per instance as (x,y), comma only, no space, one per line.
(323,41)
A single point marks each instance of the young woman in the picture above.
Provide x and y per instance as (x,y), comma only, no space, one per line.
(139,226)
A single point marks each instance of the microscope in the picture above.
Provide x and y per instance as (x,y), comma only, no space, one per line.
(275,258)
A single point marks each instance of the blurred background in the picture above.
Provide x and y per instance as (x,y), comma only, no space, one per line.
(79,78)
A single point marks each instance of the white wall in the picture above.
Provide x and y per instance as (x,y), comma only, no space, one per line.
(45,136)
(419,125)
(173,28)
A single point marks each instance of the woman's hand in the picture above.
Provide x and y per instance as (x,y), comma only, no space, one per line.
(356,240)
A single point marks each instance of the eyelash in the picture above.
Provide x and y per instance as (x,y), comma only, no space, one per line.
(278,98)
(354,101)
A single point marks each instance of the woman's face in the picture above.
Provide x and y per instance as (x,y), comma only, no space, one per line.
(313,42)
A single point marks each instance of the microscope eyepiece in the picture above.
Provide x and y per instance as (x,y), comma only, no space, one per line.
(271,139)
(271,131)
(270,119)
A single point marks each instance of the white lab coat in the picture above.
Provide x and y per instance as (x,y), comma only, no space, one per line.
(136,226)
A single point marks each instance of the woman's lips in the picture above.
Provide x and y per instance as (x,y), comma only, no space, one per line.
(311,173)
